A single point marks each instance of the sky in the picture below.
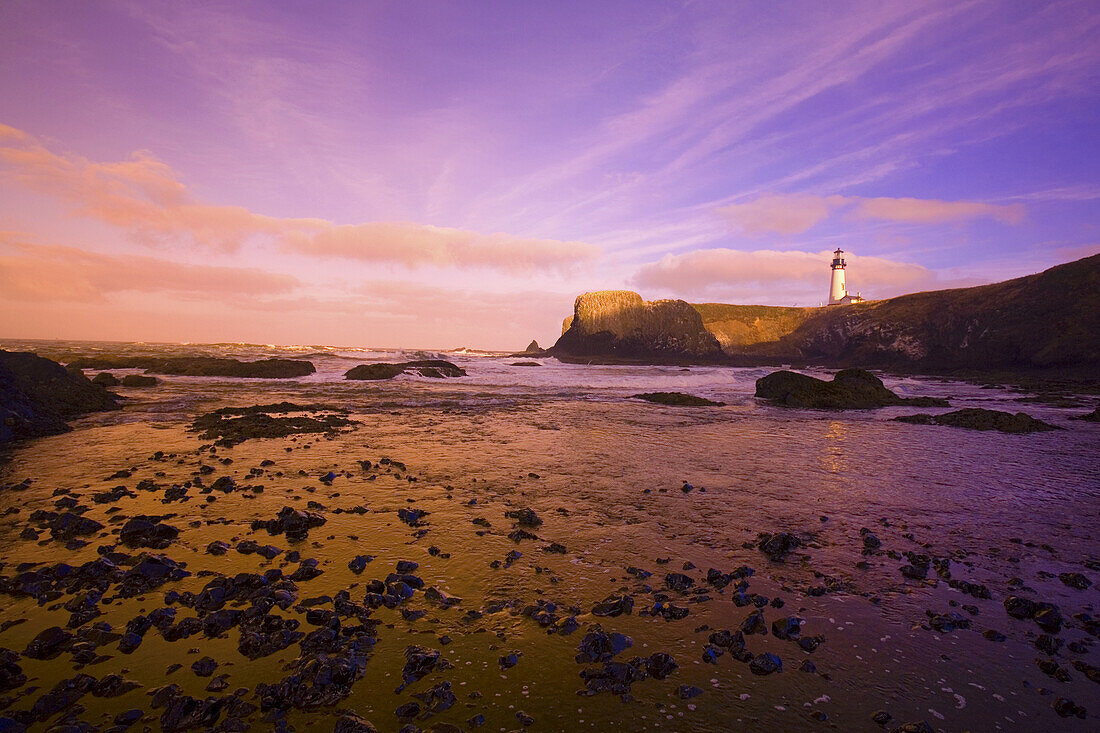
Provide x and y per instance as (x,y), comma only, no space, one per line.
(445,174)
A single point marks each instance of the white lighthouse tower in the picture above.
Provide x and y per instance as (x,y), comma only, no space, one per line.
(838,291)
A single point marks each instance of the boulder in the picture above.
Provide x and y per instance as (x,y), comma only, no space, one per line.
(976,418)
(37,396)
(105,379)
(850,389)
(434,368)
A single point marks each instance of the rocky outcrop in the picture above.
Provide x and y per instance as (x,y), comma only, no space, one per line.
(201,366)
(619,323)
(976,418)
(1035,322)
(850,389)
(678,399)
(435,368)
(1039,322)
(37,396)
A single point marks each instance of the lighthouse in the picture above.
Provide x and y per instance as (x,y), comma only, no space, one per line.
(838,291)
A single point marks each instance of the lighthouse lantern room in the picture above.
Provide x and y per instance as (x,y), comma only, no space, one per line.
(838,291)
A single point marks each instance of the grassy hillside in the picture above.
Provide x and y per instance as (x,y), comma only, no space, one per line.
(740,326)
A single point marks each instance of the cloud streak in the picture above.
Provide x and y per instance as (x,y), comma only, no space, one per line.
(51,273)
(735,273)
(798,213)
(145,196)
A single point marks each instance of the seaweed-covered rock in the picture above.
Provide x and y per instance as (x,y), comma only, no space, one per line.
(678,399)
(294,523)
(139,380)
(201,366)
(850,389)
(435,368)
(976,418)
(230,426)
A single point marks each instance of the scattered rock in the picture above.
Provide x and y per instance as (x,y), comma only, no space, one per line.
(976,418)
(851,389)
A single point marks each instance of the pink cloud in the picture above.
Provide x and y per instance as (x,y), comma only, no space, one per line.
(144,196)
(30,272)
(797,213)
(933,211)
(740,276)
(780,214)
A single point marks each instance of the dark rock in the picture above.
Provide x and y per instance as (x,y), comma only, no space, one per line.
(678,582)
(435,368)
(202,366)
(139,380)
(105,379)
(1067,708)
(851,389)
(49,643)
(37,396)
(230,426)
(294,523)
(204,667)
(660,665)
(525,517)
(419,661)
(599,646)
(614,605)
(678,399)
(778,546)
(143,531)
(765,664)
(1075,580)
(352,723)
(976,418)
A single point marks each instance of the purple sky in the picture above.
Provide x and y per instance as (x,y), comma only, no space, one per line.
(437,174)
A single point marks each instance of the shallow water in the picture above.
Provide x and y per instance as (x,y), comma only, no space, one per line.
(609,473)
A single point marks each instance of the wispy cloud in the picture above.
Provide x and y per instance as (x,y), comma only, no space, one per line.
(38,273)
(145,196)
(770,275)
(797,213)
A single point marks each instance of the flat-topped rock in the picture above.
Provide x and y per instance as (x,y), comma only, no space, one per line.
(976,418)
(678,399)
(201,366)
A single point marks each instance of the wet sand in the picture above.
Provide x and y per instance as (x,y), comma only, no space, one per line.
(605,475)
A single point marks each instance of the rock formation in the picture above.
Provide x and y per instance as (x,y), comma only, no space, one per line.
(37,396)
(1042,321)
(850,389)
(201,366)
(976,418)
(435,368)
(619,323)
